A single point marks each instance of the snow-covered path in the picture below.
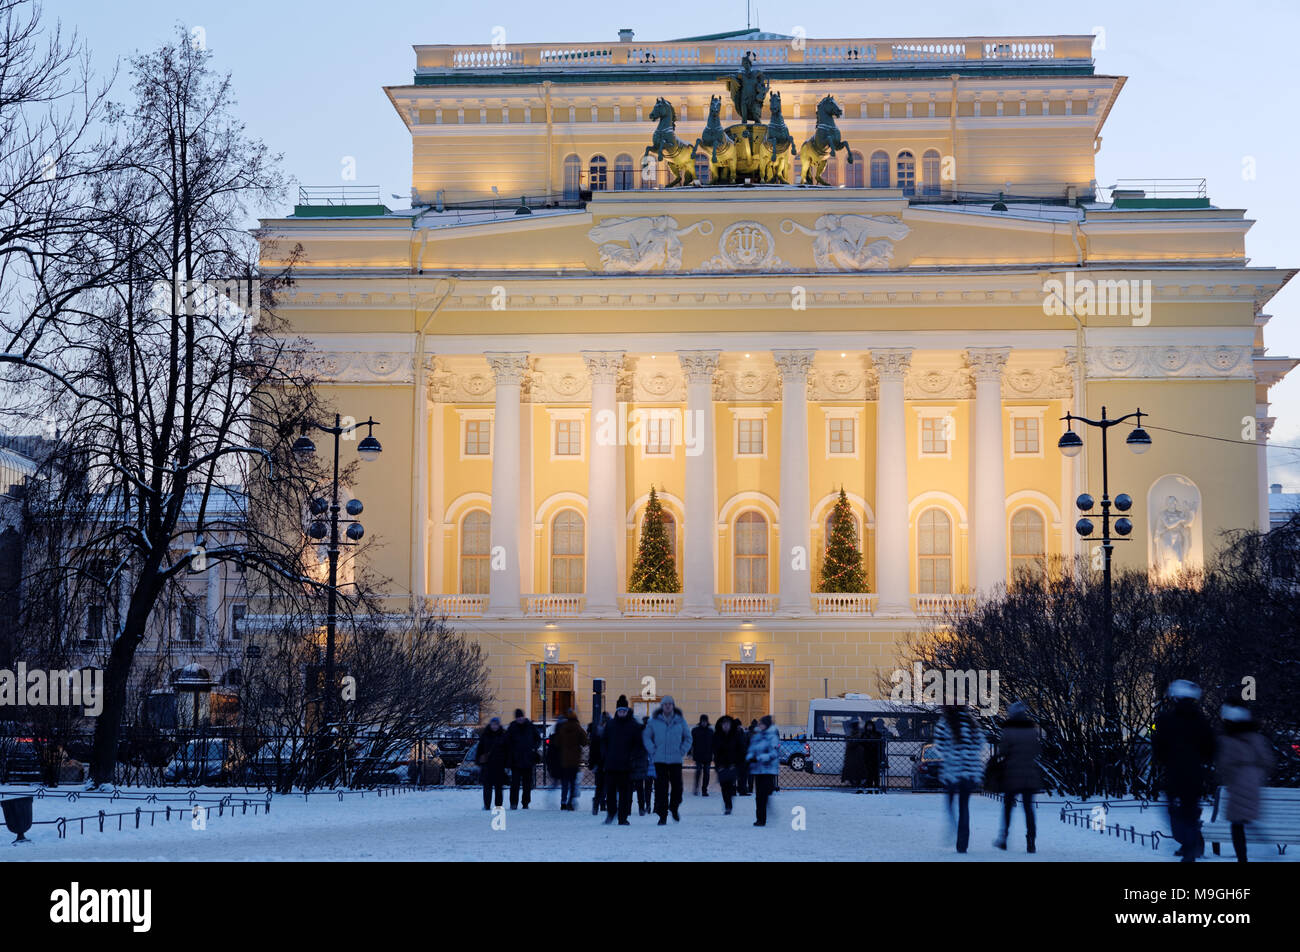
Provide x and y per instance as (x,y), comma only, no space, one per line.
(452,825)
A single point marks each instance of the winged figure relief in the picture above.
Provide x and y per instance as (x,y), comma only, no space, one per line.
(642,244)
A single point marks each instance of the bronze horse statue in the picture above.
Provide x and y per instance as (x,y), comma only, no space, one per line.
(723,149)
(817,151)
(747,150)
(679,155)
(780,145)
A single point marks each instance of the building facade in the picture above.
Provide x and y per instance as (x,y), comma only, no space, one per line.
(911,333)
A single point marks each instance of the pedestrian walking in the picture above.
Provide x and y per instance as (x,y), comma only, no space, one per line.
(1021,777)
(642,771)
(522,741)
(1244,762)
(667,738)
(854,769)
(702,755)
(570,739)
(873,752)
(620,744)
(742,780)
(596,758)
(959,742)
(1183,745)
(491,759)
(764,756)
(726,757)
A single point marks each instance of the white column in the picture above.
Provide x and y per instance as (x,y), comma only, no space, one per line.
(989,498)
(699,560)
(508,369)
(892,559)
(605,526)
(1263,427)
(214,600)
(796,586)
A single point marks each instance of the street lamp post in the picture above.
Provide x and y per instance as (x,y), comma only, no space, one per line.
(1070,444)
(368,449)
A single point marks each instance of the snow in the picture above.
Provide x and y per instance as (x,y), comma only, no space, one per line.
(450,824)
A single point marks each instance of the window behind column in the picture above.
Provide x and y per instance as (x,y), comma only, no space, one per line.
(572,177)
(1028,545)
(906,174)
(853,174)
(567,553)
(624,179)
(880,170)
(934,553)
(598,174)
(475,552)
(750,562)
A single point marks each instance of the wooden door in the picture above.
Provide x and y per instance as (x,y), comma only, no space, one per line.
(559,691)
(747,691)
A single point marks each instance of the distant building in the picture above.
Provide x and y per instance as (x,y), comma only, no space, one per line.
(1281,506)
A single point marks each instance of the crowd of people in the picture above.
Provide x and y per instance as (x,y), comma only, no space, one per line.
(633,759)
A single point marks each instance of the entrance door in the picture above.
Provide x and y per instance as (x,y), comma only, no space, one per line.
(747,691)
(559,691)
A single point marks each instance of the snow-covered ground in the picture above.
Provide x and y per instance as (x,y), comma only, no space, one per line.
(452,825)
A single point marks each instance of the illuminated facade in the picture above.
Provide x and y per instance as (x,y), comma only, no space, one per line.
(911,334)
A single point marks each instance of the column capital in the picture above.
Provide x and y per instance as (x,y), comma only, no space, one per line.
(1264,427)
(698,365)
(892,364)
(794,365)
(603,365)
(987,363)
(507,367)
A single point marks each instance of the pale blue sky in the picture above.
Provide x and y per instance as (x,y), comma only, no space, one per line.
(1210,85)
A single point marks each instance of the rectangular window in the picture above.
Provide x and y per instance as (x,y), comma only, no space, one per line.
(478,437)
(568,437)
(934,435)
(1026,435)
(189,623)
(94,622)
(237,613)
(749,437)
(659,436)
(841,437)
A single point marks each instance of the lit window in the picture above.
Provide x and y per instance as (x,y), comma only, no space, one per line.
(934,435)
(659,436)
(934,553)
(749,437)
(1028,544)
(841,437)
(906,177)
(568,437)
(930,172)
(598,174)
(478,437)
(567,538)
(1026,435)
(880,170)
(751,554)
(475,549)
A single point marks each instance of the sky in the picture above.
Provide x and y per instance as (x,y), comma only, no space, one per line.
(1211,88)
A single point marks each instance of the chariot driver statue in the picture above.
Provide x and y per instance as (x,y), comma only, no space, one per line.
(748,90)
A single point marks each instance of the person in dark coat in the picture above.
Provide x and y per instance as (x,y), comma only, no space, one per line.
(726,757)
(569,739)
(873,751)
(702,754)
(743,783)
(643,772)
(1244,762)
(854,770)
(1019,750)
(522,739)
(1183,745)
(491,758)
(596,758)
(620,745)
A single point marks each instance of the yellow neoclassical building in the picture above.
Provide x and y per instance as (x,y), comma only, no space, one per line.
(551,330)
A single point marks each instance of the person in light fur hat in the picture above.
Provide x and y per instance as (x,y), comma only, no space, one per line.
(1244,762)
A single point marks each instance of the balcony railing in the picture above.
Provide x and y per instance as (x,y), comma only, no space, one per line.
(912,51)
(458,606)
(940,604)
(554,606)
(844,603)
(734,604)
(650,604)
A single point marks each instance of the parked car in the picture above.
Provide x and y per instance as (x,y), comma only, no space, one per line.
(273,761)
(209,760)
(925,772)
(796,753)
(451,747)
(19,761)
(467,772)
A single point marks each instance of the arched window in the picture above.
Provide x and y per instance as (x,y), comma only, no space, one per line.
(624,179)
(598,174)
(702,167)
(1028,544)
(572,177)
(880,170)
(906,176)
(751,554)
(832,172)
(475,552)
(567,540)
(934,553)
(930,172)
(853,173)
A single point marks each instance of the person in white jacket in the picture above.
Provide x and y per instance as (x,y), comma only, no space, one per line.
(667,740)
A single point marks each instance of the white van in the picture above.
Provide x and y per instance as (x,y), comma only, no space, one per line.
(906,729)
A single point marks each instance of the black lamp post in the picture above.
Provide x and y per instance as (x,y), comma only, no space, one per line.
(368,449)
(1071,444)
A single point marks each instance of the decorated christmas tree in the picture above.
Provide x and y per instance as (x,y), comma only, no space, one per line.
(654,570)
(842,569)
